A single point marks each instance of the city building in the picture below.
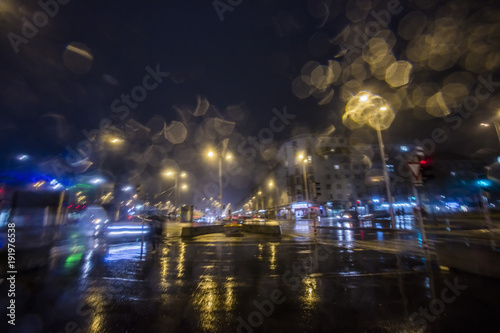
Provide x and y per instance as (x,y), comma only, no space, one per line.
(330,174)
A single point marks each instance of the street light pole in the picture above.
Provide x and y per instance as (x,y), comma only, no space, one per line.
(497,128)
(276,202)
(273,186)
(386,177)
(220,184)
(306,185)
(221,154)
(176,189)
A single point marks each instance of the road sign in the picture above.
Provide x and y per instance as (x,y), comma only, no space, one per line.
(415,170)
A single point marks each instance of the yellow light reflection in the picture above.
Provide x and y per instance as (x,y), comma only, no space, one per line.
(164,265)
(230,297)
(309,297)
(209,298)
(182,258)
(95,303)
(272,258)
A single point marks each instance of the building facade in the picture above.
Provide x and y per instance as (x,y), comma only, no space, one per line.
(329,174)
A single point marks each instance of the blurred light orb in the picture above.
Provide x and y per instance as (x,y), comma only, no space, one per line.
(201,107)
(224,127)
(350,88)
(368,108)
(349,122)
(326,96)
(78,58)
(382,118)
(176,132)
(398,74)
(436,106)
(300,88)
(412,25)
(334,72)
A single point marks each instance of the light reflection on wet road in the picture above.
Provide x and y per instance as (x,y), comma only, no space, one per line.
(342,280)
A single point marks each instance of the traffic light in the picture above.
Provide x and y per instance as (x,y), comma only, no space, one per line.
(426,169)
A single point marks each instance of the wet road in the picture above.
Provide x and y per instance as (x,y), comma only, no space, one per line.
(337,280)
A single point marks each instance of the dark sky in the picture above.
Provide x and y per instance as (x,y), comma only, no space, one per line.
(243,66)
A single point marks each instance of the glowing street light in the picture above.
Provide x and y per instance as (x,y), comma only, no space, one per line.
(304,161)
(272,186)
(176,176)
(221,155)
(367,108)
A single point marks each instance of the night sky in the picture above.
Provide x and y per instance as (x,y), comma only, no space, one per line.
(65,78)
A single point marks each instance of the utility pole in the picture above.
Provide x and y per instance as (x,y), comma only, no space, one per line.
(416,168)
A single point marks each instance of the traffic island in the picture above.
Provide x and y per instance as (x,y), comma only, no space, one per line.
(273,229)
(470,256)
(267,229)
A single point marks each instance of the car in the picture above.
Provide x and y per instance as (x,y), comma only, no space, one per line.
(127,231)
(380,214)
(205,219)
(93,220)
(348,215)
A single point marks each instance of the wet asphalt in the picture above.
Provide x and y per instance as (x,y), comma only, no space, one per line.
(337,279)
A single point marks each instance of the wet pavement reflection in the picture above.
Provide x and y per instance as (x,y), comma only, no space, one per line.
(335,280)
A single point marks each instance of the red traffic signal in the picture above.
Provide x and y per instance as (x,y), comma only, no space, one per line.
(425,162)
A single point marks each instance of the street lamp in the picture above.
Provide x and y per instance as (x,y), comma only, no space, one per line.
(306,184)
(367,108)
(497,127)
(176,176)
(221,155)
(259,200)
(272,186)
